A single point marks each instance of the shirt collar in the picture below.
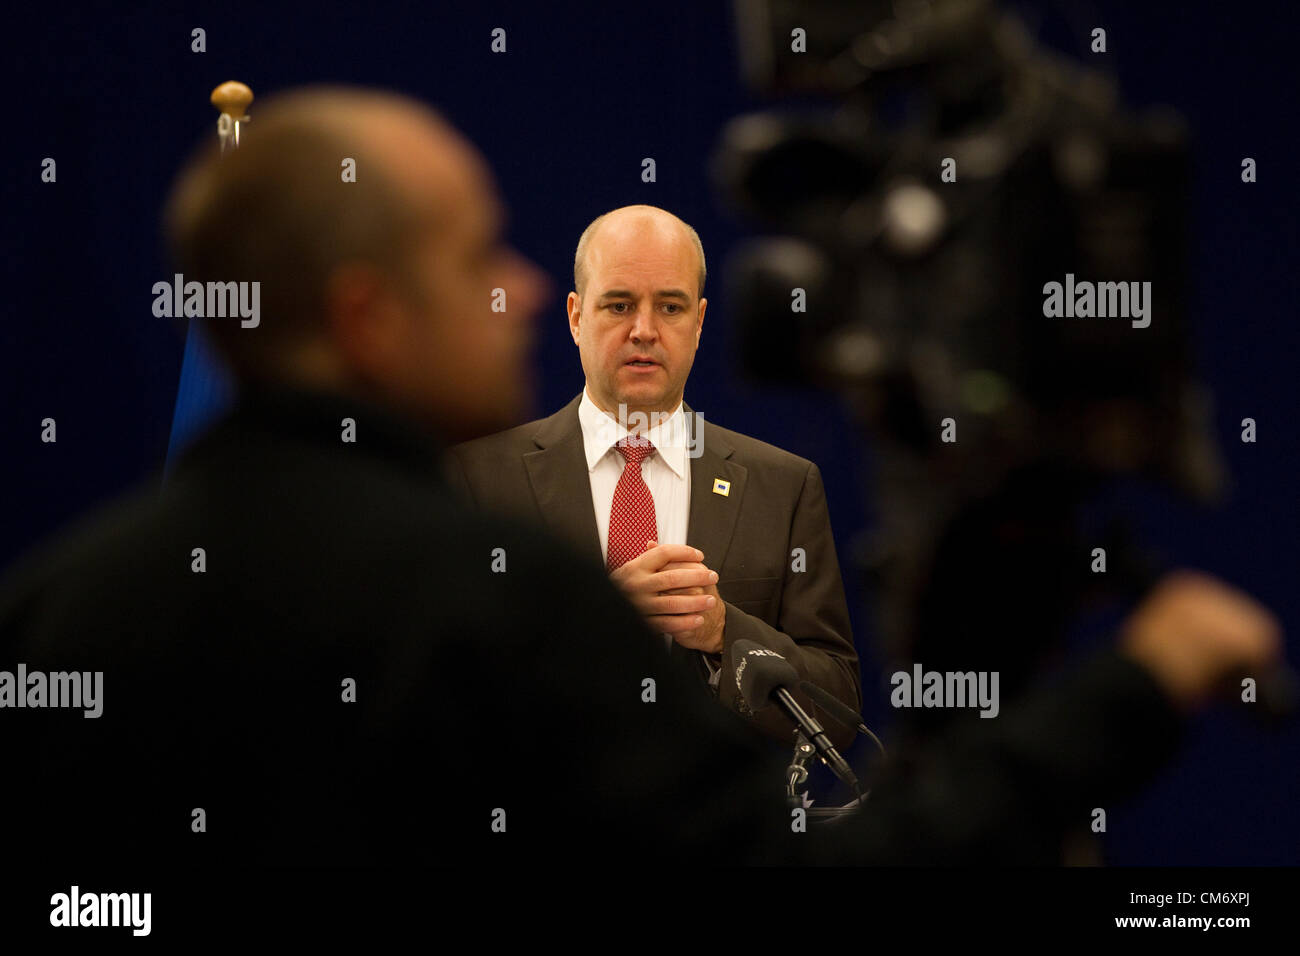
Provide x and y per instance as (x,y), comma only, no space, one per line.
(600,431)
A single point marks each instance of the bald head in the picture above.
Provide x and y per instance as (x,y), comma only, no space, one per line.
(380,281)
(624,224)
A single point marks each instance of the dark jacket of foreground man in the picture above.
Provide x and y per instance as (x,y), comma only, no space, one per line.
(477,691)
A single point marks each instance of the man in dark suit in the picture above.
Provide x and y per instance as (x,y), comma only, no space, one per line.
(728,538)
(309,652)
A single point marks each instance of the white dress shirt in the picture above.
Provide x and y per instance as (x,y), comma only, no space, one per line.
(666,473)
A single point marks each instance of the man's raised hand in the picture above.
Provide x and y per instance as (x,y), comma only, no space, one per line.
(644,579)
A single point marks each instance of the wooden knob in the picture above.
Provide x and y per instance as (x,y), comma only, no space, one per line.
(232,97)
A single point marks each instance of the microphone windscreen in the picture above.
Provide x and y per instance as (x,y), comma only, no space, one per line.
(759,672)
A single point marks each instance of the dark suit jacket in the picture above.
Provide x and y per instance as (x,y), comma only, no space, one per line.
(776,504)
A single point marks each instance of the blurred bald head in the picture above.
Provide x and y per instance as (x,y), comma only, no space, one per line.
(383,284)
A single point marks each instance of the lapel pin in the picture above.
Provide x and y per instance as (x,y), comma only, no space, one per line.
(721,487)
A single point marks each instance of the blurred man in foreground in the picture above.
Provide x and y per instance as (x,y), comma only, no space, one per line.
(312,654)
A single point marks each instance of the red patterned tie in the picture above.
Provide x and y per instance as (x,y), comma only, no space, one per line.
(632,517)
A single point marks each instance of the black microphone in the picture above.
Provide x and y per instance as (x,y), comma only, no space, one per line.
(763,676)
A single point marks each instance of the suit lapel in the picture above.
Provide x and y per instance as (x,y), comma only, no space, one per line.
(557,472)
(561,486)
(713,515)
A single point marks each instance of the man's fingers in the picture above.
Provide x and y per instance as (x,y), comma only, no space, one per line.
(696,577)
(674,623)
(633,579)
(637,574)
(659,555)
(675,565)
(1194,631)
(676,604)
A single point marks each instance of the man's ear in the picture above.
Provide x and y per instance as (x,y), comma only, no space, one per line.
(699,327)
(574,306)
(364,320)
